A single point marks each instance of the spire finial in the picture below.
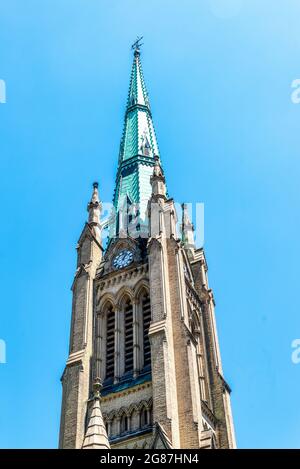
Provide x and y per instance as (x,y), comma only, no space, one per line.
(157,180)
(97,386)
(157,167)
(187,229)
(95,202)
(136,46)
(94,209)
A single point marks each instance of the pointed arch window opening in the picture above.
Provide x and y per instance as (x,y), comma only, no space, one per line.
(128,337)
(146,316)
(144,418)
(124,424)
(110,344)
(195,327)
(138,420)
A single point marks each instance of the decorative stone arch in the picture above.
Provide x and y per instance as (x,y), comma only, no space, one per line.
(123,293)
(134,417)
(143,316)
(137,416)
(125,333)
(114,420)
(124,417)
(122,411)
(143,404)
(104,335)
(112,414)
(138,289)
(145,408)
(108,422)
(104,300)
(132,408)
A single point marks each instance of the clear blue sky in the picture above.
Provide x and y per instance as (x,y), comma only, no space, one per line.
(219,80)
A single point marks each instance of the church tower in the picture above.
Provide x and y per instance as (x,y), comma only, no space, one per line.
(144,367)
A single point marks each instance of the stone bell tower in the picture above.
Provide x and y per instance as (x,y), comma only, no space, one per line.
(144,367)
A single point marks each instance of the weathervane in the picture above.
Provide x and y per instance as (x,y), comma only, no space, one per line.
(136,45)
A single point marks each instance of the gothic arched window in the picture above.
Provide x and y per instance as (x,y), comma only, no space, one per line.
(124,424)
(128,336)
(110,343)
(144,418)
(146,309)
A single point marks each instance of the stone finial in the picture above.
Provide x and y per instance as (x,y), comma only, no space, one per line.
(95,196)
(157,167)
(187,229)
(94,207)
(97,386)
(157,180)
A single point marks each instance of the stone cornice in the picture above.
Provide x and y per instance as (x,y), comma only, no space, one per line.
(126,392)
(158,327)
(116,277)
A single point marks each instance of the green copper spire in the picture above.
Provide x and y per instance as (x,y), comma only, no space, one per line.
(139,135)
(138,144)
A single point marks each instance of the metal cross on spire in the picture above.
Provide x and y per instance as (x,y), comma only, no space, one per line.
(137,44)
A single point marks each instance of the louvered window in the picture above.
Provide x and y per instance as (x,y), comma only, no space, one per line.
(128,318)
(146,323)
(110,344)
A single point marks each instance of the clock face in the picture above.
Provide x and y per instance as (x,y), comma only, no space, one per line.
(123,259)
